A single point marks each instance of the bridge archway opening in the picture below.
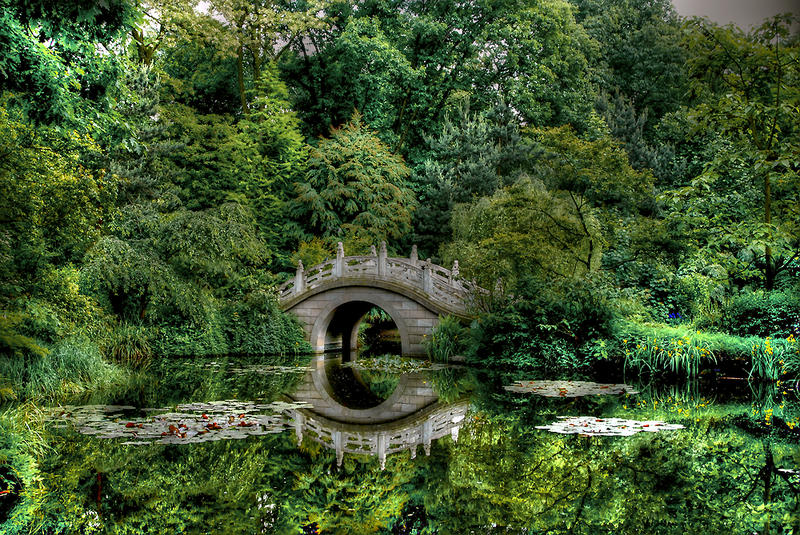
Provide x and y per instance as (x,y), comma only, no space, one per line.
(359,327)
(337,327)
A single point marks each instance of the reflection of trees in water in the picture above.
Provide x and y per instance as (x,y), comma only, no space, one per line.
(378,334)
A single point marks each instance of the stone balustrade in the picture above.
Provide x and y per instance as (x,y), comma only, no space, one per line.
(442,286)
(382,439)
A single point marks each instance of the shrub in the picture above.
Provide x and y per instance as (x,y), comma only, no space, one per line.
(130,346)
(547,326)
(256,325)
(448,339)
(761,313)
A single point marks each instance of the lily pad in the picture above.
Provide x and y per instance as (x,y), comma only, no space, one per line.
(185,423)
(267,370)
(606,427)
(569,389)
(394,364)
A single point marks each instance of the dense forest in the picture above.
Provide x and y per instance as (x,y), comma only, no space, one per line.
(623,181)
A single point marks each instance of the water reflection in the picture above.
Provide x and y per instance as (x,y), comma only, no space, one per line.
(330,404)
(380,440)
(733,467)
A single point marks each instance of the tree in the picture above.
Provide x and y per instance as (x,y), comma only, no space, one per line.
(746,89)
(529,52)
(525,230)
(257,33)
(356,188)
(473,156)
(638,54)
(57,58)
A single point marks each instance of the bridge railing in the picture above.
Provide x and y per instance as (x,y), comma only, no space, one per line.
(438,283)
(446,420)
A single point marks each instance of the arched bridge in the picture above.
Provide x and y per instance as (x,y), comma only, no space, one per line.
(331,298)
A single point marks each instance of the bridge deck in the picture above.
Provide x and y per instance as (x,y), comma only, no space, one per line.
(441,289)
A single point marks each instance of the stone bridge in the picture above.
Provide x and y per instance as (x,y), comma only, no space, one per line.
(331,298)
(410,417)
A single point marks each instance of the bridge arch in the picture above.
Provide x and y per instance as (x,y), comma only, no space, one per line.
(337,324)
(331,298)
(410,417)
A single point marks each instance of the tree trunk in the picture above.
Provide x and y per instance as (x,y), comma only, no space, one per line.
(240,77)
(769,269)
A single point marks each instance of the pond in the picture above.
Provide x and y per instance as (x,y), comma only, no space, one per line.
(390,445)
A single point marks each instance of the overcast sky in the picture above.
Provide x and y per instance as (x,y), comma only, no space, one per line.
(744,13)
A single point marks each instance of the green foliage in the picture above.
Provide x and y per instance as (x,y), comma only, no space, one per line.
(53,203)
(760,313)
(13,343)
(521,231)
(448,339)
(256,325)
(72,365)
(356,187)
(678,356)
(20,478)
(682,350)
(638,52)
(473,156)
(129,345)
(546,326)
(55,57)
(405,64)
(745,88)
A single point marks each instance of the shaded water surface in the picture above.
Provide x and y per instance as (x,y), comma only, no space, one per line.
(240,445)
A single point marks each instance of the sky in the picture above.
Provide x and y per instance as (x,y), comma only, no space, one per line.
(744,13)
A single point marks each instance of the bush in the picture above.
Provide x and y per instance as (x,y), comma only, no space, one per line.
(761,313)
(190,339)
(130,345)
(546,326)
(256,325)
(448,339)
(72,365)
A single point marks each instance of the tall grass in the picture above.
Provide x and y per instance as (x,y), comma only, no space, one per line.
(73,365)
(659,348)
(676,355)
(130,346)
(447,339)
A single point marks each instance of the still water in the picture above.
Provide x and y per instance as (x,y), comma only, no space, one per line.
(241,445)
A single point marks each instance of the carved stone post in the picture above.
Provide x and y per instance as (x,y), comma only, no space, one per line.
(299,278)
(454,272)
(299,424)
(414,256)
(382,260)
(373,251)
(338,445)
(454,433)
(338,267)
(382,449)
(498,286)
(427,435)
(427,279)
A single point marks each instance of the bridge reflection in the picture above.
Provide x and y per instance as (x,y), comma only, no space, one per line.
(412,416)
